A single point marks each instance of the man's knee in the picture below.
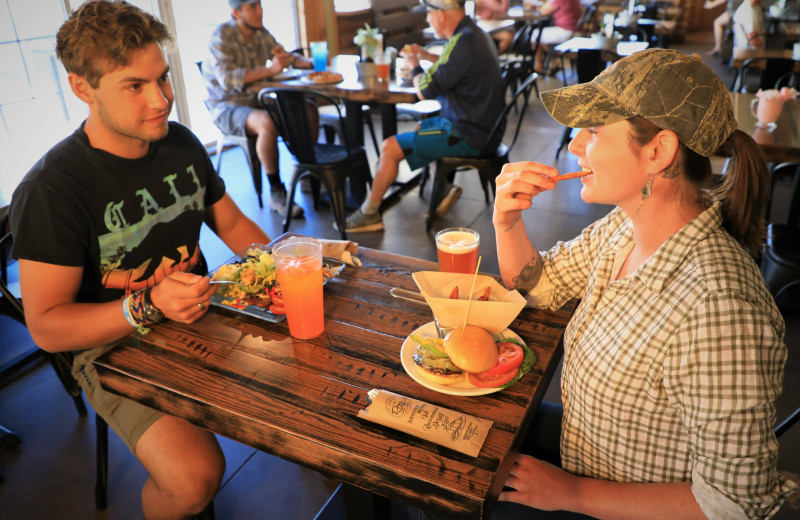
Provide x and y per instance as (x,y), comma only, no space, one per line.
(259,122)
(197,485)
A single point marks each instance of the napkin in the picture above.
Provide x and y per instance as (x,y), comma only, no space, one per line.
(344,250)
(494,315)
(449,428)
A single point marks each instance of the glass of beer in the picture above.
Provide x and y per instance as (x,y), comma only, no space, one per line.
(458,250)
(298,262)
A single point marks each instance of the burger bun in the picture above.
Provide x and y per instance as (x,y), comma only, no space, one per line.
(471,349)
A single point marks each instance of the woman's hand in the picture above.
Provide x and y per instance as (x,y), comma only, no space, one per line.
(516,186)
(183,297)
(538,484)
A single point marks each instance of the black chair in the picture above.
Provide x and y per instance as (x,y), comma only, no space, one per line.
(780,263)
(768,70)
(248,146)
(790,79)
(490,162)
(61,362)
(588,64)
(331,123)
(517,65)
(332,164)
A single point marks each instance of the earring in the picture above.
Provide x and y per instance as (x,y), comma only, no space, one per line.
(646,188)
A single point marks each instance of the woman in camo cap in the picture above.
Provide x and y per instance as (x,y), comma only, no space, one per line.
(675,355)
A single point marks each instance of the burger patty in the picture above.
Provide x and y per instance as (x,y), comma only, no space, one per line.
(437,365)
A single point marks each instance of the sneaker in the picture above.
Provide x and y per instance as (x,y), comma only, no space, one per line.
(359,221)
(449,200)
(277,203)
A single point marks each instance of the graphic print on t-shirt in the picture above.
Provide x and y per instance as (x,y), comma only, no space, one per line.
(135,255)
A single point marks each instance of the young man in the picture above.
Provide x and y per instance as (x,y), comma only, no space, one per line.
(466,81)
(106,229)
(237,58)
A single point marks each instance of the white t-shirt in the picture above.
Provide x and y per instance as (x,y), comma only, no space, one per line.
(747,19)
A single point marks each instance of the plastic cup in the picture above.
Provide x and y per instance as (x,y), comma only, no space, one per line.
(382,67)
(457,250)
(298,262)
(319,53)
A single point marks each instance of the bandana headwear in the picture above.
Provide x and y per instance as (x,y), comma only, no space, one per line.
(671,89)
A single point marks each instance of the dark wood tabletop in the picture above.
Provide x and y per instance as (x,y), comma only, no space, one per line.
(245,378)
(779,145)
(355,91)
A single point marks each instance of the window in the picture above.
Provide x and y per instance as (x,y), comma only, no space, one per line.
(37,107)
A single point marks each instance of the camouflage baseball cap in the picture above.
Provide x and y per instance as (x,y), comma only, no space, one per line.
(671,89)
(441,5)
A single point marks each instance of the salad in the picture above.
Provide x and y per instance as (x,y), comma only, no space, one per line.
(255,281)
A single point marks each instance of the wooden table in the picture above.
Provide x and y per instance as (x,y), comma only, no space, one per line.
(740,55)
(246,379)
(779,145)
(356,91)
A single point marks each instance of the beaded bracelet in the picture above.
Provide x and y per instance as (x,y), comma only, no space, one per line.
(126,311)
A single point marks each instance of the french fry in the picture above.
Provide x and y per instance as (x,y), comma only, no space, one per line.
(573,175)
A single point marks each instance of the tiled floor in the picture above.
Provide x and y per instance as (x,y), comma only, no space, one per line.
(51,474)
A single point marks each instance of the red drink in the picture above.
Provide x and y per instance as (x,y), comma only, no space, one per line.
(457,249)
(299,268)
(383,70)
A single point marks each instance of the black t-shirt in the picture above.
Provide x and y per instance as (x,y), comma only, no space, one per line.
(128,222)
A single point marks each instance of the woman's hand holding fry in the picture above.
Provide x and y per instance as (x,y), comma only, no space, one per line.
(517,185)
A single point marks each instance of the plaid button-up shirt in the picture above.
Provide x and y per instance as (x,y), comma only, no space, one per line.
(671,373)
(230,57)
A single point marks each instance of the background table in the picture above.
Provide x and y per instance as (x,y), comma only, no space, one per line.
(244,378)
(356,91)
(779,145)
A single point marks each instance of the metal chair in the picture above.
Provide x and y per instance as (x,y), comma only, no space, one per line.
(61,362)
(490,162)
(248,146)
(332,164)
(517,65)
(588,64)
(780,263)
(770,70)
(790,79)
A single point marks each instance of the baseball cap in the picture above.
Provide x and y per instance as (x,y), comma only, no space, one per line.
(442,5)
(671,89)
(235,4)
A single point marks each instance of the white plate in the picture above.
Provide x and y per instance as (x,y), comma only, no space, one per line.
(463,388)
(287,75)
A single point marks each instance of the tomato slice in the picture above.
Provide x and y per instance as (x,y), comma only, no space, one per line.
(483,380)
(276,308)
(509,358)
(275,292)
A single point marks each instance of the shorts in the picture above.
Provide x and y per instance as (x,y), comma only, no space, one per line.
(435,138)
(233,119)
(552,35)
(127,418)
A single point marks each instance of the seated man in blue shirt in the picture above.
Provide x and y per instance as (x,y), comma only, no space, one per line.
(466,81)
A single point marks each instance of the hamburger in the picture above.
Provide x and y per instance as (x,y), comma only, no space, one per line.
(471,349)
(470,355)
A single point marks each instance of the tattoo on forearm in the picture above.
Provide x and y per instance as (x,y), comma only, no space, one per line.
(529,276)
(511,226)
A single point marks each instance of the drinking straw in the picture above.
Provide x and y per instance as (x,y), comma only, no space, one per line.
(469,301)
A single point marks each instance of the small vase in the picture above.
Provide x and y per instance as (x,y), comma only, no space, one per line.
(366,70)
